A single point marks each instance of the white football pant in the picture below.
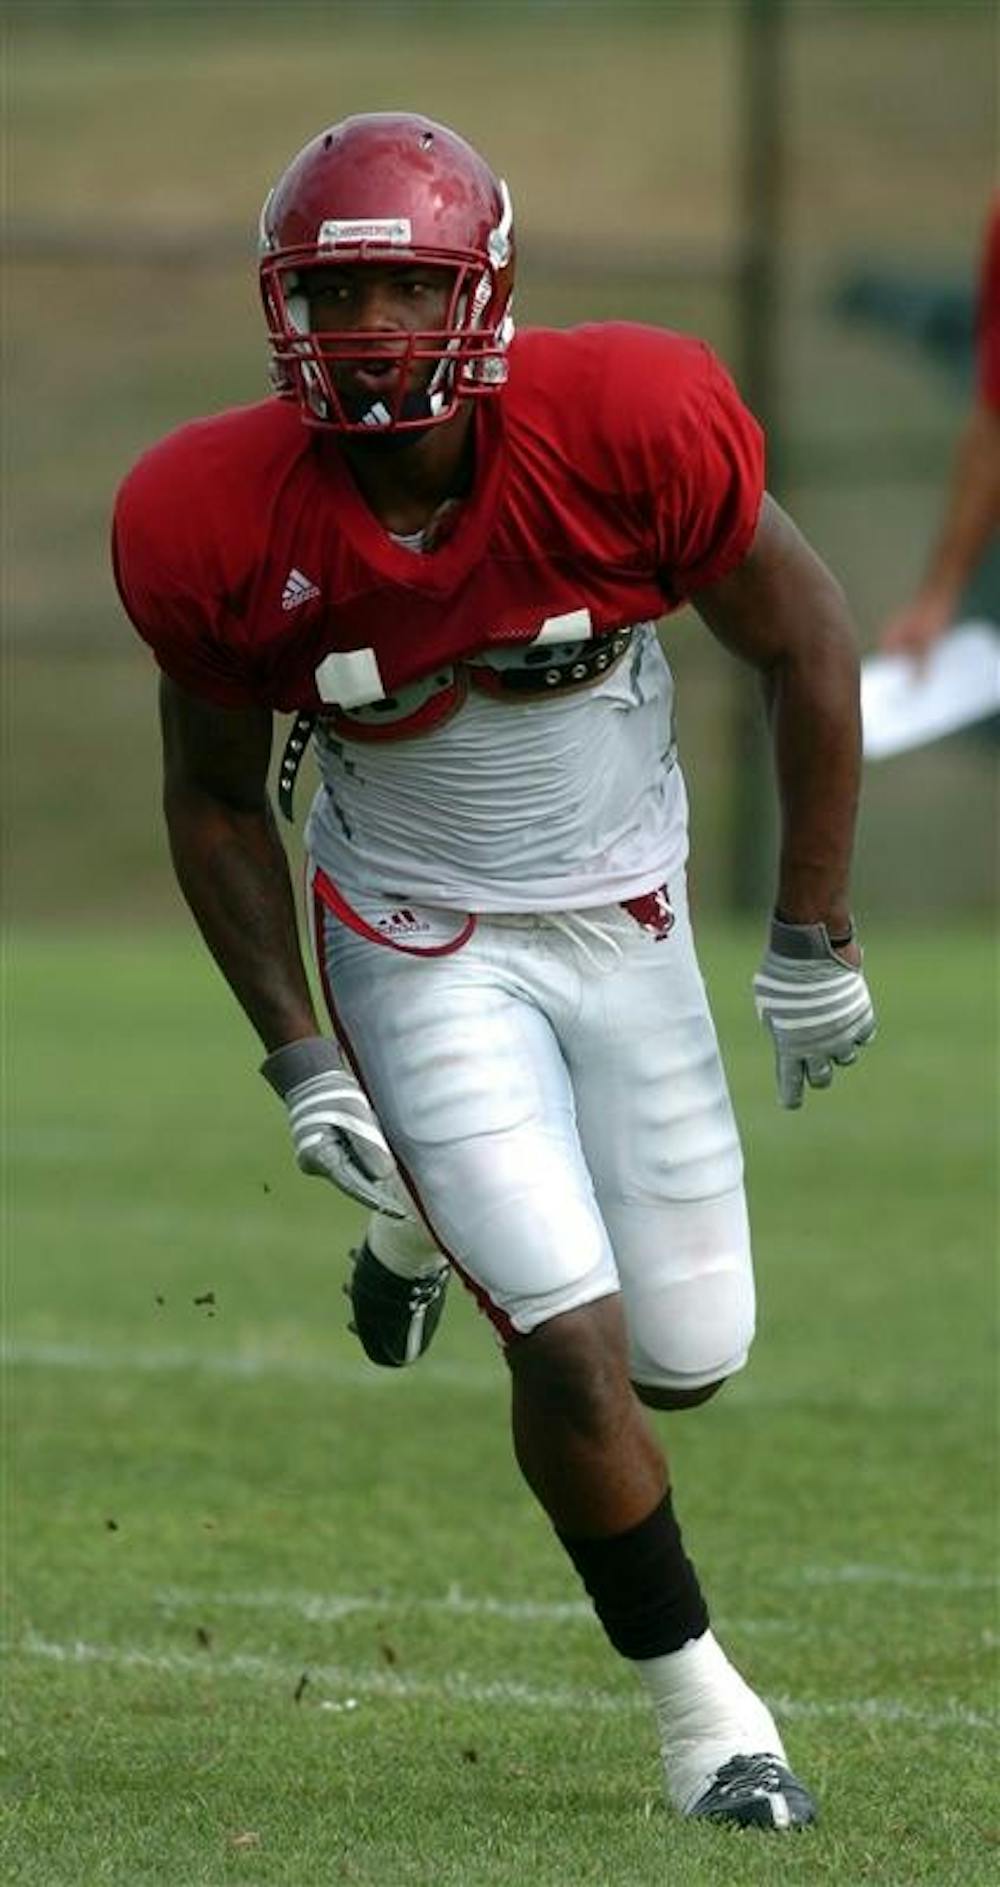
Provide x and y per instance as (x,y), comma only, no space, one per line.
(554,1096)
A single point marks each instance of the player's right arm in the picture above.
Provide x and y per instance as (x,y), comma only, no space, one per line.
(233,870)
(229,859)
(168,551)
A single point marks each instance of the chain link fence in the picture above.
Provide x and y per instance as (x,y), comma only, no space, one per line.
(807,197)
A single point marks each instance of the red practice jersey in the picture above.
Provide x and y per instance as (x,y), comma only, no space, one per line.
(989,313)
(617,473)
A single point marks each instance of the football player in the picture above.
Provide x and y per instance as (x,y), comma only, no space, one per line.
(444,549)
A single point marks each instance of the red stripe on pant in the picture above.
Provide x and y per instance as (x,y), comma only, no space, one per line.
(498,1318)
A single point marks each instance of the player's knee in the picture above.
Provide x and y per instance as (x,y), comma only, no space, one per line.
(687,1340)
(574,1368)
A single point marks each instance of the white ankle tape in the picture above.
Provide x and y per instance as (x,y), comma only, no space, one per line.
(705,1714)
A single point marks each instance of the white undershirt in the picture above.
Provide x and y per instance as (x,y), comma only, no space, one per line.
(554,803)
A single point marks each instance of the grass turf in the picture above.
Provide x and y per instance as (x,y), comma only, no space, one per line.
(278,1618)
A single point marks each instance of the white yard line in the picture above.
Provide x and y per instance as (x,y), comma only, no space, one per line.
(487,1376)
(865,1575)
(951,1715)
(324,1608)
(457,1687)
(246,1365)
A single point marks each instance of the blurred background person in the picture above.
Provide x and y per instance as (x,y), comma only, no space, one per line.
(971,515)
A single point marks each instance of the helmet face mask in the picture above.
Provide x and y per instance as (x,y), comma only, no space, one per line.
(395,200)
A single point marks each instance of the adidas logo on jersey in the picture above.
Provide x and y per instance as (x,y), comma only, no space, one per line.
(298,589)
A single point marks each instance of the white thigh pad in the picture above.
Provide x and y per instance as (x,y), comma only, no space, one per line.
(472,1093)
(658,1132)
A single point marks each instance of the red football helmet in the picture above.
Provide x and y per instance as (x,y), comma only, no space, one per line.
(388,189)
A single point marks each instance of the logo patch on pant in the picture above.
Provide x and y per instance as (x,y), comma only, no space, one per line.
(652,911)
(403,923)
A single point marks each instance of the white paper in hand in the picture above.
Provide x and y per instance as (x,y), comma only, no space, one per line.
(905,703)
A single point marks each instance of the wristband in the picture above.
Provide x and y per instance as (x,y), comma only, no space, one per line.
(835,943)
(299,1061)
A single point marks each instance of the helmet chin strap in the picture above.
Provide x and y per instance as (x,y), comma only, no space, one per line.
(376,442)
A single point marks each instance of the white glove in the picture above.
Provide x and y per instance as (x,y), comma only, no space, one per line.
(816,1007)
(334,1132)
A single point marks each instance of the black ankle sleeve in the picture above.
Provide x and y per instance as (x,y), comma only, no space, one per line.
(644,1588)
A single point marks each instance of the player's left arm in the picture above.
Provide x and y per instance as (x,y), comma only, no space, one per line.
(782,611)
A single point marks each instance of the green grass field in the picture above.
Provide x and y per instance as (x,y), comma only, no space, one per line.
(278,1618)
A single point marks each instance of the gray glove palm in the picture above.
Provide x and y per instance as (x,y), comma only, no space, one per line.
(334,1131)
(815,1006)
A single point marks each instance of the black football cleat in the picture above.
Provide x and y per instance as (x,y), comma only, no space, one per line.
(394,1318)
(756,1792)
